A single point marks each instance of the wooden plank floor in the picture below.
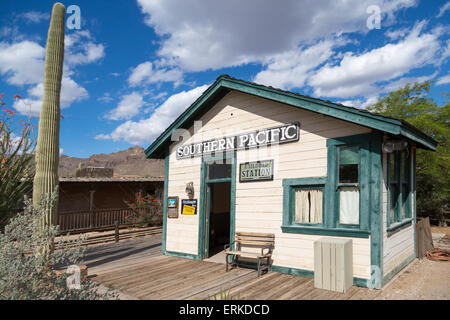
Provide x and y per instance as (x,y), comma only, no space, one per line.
(138,269)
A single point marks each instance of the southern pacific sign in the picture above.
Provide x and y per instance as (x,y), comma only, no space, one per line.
(254,139)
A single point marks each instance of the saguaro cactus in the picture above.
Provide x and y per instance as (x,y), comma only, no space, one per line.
(47,149)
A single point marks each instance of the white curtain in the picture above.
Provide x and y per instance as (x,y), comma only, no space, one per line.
(308,206)
(301,206)
(349,205)
(316,206)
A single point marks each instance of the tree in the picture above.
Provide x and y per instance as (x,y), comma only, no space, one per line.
(411,103)
(17,146)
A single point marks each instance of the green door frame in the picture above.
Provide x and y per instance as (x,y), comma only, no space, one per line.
(204,201)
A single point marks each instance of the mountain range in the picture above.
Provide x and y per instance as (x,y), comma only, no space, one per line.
(129,162)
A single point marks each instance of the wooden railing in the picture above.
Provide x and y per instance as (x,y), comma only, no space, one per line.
(92,220)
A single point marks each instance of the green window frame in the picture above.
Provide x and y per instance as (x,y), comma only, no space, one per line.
(399,189)
(346,184)
(229,158)
(289,188)
(331,187)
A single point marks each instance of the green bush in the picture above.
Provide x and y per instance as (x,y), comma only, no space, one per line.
(145,211)
(17,145)
(29,270)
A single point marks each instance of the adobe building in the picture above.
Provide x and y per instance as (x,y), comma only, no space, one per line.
(96,190)
(251,158)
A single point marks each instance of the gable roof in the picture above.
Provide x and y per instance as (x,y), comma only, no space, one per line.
(225,84)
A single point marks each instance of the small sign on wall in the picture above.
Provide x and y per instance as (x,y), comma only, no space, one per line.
(189,206)
(172,207)
(256,171)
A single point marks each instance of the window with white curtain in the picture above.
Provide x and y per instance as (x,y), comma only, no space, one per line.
(308,205)
(348,185)
(349,205)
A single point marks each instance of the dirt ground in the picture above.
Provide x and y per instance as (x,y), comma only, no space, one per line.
(446,230)
(422,279)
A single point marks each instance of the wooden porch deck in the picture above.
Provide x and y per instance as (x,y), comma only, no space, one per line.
(138,269)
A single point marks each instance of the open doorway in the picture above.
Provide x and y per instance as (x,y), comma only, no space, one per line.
(219,216)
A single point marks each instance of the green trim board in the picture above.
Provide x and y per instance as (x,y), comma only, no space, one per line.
(414,208)
(394,228)
(289,187)
(398,187)
(371,172)
(360,282)
(233,200)
(225,84)
(369,185)
(182,255)
(333,187)
(326,231)
(166,194)
(376,211)
(398,268)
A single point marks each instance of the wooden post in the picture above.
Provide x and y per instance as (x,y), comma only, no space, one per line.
(91,208)
(117,230)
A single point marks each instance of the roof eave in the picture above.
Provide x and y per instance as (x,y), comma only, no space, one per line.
(158,148)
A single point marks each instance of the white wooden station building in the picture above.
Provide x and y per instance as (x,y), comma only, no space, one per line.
(250,158)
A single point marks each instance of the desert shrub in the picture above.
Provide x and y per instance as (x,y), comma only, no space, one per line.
(226,295)
(145,211)
(17,145)
(33,267)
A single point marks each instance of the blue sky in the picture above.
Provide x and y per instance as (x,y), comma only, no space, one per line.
(134,66)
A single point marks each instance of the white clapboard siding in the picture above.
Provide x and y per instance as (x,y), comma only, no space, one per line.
(259,204)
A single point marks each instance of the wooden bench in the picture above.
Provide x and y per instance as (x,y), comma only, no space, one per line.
(242,240)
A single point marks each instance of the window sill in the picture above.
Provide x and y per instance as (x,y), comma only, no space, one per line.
(326,231)
(395,227)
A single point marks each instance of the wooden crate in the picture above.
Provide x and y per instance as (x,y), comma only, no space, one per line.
(333,264)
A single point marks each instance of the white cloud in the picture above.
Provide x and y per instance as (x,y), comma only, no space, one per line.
(70,92)
(360,103)
(443,9)
(81,49)
(147,72)
(356,103)
(106,98)
(146,130)
(290,69)
(35,16)
(128,107)
(443,80)
(400,83)
(199,35)
(358,74)
(445,53)
(22,63)
(395,34)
